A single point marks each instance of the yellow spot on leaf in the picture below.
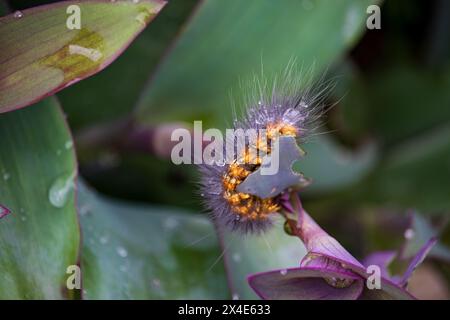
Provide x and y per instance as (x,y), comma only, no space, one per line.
(79,58)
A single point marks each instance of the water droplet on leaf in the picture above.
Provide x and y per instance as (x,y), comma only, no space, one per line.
(122,252)
(104,240)
(18,14)
(60,191)
(68,145)
(171,223)
(338,282)
(409,234)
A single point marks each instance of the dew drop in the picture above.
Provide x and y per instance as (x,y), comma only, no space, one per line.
(171,223)
(156,283)
(236,257)
(235,296)
(84,210)
(18,14)
(104,240)
(283,272)
(350,24)
(338,282)
(409,234)
(60,190)
(122,252)
(303,105)
(68,145)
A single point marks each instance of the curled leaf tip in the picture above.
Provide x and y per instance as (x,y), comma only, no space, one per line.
(4,211)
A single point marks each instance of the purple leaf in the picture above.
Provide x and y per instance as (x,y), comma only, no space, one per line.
(305,284)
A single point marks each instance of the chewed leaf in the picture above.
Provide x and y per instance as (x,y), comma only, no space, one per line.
(47,48)
(265,185)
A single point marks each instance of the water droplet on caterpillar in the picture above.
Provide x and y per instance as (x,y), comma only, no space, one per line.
(84,210)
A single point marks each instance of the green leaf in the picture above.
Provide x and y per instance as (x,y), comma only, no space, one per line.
(41,55)
(331,166)
(39,239)
(226,41)
(422,231)
(395,89)
(418,165)
(249,254)
(142,252)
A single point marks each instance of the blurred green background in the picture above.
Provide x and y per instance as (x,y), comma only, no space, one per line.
(387,146)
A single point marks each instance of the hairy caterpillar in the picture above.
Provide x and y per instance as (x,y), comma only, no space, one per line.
(291,109)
